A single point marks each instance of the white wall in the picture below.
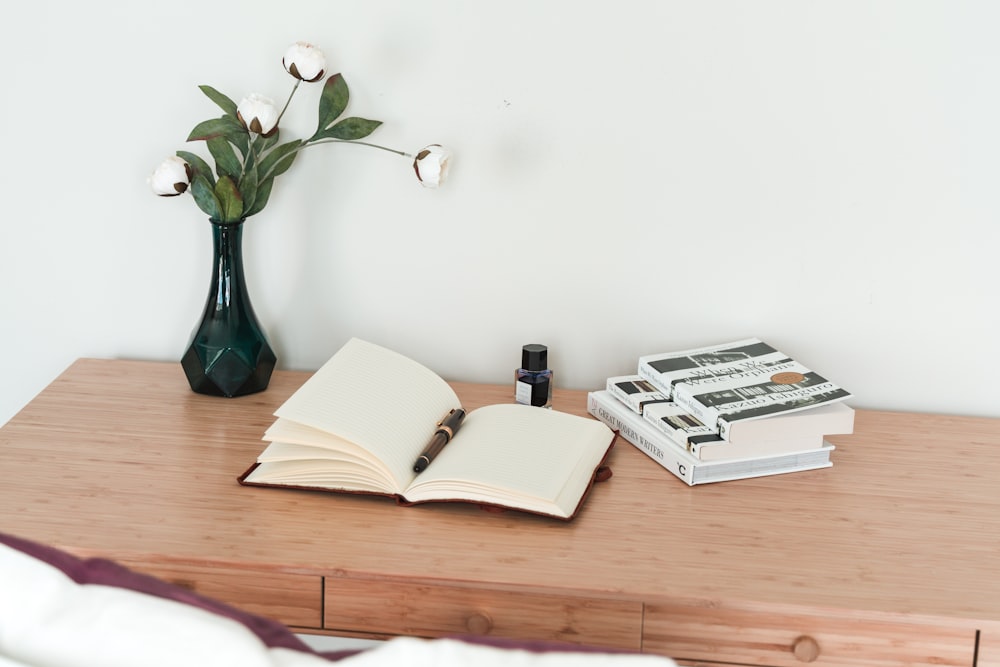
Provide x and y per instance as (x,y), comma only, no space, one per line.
(630,177)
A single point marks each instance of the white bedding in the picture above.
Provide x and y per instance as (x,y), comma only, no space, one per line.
(49,620)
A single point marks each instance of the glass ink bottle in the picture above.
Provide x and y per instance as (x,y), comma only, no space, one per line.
(533,380)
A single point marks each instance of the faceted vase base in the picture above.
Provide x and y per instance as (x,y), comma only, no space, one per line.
(226,372)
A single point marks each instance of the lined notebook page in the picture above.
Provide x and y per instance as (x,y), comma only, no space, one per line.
(377,398)
(517,455)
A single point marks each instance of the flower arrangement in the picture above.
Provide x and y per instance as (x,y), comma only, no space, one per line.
(244,144)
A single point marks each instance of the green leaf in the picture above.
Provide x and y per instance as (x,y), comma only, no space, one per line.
(239,138)
(263,194)
(226,162)
(198,166)
(225,127)
(224,102)
(349,129)
(278,160)
(204,197)
(229,199)
(216,127)
(248,188)
(332,101)
(283,166)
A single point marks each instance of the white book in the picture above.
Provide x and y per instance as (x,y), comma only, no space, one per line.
(731,386)
(724,359)
(682,464)
(707,445)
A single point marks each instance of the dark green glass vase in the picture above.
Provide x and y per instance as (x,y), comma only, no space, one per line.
(228,354)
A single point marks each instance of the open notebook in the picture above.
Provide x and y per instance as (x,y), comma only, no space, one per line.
(361,421)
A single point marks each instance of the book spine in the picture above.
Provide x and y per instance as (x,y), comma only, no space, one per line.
(801,398)
(677,424)
(697,444)
(646,372)
(635,392)
(706,415)
(679,462)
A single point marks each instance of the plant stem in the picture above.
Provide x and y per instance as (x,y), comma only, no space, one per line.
(360,143)
(288,101)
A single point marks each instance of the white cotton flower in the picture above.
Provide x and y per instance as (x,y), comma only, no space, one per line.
(431,165)
(258,114)
(171,178)
(304,61)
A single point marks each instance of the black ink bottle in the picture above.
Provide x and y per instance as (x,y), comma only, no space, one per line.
(533,380)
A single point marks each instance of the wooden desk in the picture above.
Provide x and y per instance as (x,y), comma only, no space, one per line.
(888,558)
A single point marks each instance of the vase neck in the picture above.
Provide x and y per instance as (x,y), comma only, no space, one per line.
(228,281)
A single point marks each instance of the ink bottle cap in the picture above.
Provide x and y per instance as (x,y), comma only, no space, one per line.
(534,357)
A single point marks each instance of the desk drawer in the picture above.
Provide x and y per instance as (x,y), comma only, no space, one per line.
(383,607)
(785,637)
(292,599)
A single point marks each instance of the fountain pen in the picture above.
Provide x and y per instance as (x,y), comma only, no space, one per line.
(446,430)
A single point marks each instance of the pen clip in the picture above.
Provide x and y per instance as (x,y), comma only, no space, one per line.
(450,422)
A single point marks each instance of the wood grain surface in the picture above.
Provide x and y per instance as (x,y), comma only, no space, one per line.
(120,459)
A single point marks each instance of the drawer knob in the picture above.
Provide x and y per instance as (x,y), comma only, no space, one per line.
(805,649)
(479,623)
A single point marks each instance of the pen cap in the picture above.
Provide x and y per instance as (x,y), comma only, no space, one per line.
(534,357)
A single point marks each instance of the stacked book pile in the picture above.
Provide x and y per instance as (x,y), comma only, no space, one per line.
(729,411)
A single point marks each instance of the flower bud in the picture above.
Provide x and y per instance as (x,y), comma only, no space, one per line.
(304,61)
(171,178)
(258,114)
(431,165)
